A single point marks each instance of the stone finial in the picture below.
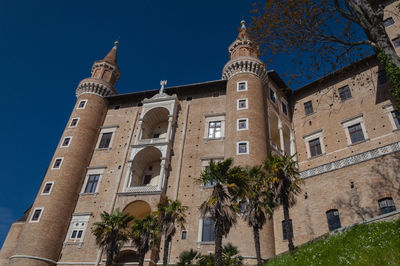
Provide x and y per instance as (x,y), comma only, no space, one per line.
(162,83)
(243,23)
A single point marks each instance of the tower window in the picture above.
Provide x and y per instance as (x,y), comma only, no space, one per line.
(308,108)
(66,141)
(242,124)
(47,188)
(214,129)
(333,219)
(356,133)
(74,122)
(37,213)
(242,86)
(315,147)
(105,140)
(388,22)
(272,95)
(242,104)
(57,163)
(92,183)
(82,104)
(208,232)
(344,93)
(386,205)
(284,229)
(243,147)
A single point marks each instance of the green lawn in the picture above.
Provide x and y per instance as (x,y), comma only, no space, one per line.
(366,244)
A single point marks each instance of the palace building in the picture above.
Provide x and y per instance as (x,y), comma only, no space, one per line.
(128,151)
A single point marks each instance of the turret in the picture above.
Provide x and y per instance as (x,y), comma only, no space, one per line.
(45,230)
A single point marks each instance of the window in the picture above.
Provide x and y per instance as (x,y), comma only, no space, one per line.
(386,205)
(242,147)
(396,118)
(356,133)
(382,78)
(105,140)
(315,147)
(208,231)
(214,129)
(388,22)
(284,108)
(272,95)
(344,93)
(91,184)
(333,219)
(82,104)
(57,163)
(74,122)
(66,141)
(241,104)
(77,228)
(284,229)
(36,214)
(242,124)
(47,188)
(106,137)
(242,86)
(308,108)
(184,235)
(396,42)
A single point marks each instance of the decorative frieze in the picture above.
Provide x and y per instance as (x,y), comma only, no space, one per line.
(96,86)
(245,65)
(358,158)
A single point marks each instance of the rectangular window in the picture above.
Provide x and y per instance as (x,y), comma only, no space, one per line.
(388,22)
(184,235)
(356,133)
(315,147)
(91,184)
(57,163)
(344,93)
(272,95)
(74,122)
(333,219)
(82,104)
(242,86)
(105,140)
(284,229)
(242,124)
(284,108)
(396,42)
(36,214)
(382,79)
(47,188)
(214,129)
(77,228)
(308,108)
(396,118)
(208,232)
(66,141)
(242,104)
(386,205)
(242,148)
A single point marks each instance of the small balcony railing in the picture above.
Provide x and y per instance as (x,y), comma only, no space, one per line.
(152,141)
(142,189)
(275,149)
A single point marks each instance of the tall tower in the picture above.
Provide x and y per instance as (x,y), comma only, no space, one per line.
(43,234)
(246,117)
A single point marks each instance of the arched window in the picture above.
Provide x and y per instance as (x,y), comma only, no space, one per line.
(386,205)
(333,219)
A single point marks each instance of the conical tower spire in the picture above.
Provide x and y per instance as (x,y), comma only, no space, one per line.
(243,45)
(111,57)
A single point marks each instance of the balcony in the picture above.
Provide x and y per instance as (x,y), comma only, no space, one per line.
(151,141)
(142,190)
(275,148)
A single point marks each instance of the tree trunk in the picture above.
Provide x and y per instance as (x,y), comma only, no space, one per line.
(218,245)
(287,218)
(141,258)
(167,240)
(256,234)
(110,256)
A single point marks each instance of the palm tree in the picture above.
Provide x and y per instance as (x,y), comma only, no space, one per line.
(221,207)
(145,235)
(285,183)
(258,204)
(230,255)
(188,258)
(112,232)
(170,213)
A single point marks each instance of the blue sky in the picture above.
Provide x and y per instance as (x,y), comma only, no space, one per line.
(48,46)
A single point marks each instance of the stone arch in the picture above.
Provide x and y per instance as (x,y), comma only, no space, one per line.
(127,256)
(146,168)
(138,209)
(155,123)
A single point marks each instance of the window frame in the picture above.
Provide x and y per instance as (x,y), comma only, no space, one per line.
(238,86)
(63,140)
(201,230)
(284,103)
(346,92)
(312,136)
(84,104)
(77,122)
(93,171)
(358,119)
(77,218)
(388,19)
(284,229)
(44,186)
(105,130)
(333,219)
(217,129)
(396,42)
(389,109)
(316,148)
(238,124)
(213,118)
(391,208)
(305,109)
(271,90)
(186,234)
(33,213)
(238,148)
(54,163)
(238,104)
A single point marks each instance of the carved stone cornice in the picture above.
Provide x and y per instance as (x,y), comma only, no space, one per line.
(95,86)
(245,64)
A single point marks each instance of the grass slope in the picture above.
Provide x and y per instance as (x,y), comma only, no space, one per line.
(366,244)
